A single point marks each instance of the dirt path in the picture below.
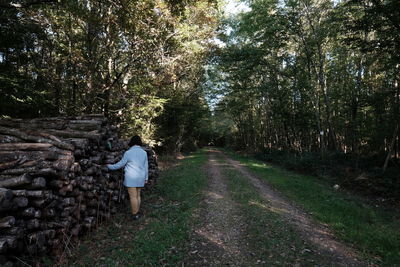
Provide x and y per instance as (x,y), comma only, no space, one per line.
(218,239)
(316,233)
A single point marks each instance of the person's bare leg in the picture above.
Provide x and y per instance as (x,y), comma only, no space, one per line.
(138,197)
(133,196)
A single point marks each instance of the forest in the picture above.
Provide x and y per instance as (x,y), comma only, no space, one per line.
(310,84)
(313,85)
(303,92)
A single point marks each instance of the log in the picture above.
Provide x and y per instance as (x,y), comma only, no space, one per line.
(28,155)
(5,194)
(97,159)
(6,205)
(69,201)
(28,163)
(9,139)
(68,188)
(38,203)
(90,195)
(20,202)
(32,224)
(10,164)
(31,124)
(94,135)
(10,240)
(75,168)
(35,172)
(67,211)
(79,153)
(57,183)
(94,170)
(63,164)
(30,193)
(19,171)
(17,181)
(28,212)
(7,222)
(49,213)
(46,172)
(25,146)
(19,232)
(6,199)
(56,123)
(26,137)
(52,225)
(38,183)
(79,143)
(3,245)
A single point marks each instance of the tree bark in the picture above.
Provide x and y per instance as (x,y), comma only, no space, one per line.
(7,222)
(17,181)
(389,154)
(25,146)
(26,137)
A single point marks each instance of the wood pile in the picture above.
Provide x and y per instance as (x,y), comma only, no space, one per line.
(54,185)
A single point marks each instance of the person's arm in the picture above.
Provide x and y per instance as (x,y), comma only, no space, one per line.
(119,164)
(146,169)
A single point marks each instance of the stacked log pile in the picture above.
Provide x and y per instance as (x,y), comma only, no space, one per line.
(54,185)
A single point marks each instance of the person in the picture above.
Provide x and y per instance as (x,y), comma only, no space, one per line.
(136,172)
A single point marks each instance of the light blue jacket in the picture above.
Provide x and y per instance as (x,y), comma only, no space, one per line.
(136,167)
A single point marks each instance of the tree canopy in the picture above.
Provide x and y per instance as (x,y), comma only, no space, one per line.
(134,61)
(299,76)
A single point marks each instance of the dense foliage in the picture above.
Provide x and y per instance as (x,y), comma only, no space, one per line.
(312,84)
(317,79)
(138,62)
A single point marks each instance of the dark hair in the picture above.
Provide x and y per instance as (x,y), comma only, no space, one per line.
(135,141)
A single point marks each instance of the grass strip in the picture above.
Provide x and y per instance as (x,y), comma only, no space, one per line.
(158,239)
(373,230)
(270,239)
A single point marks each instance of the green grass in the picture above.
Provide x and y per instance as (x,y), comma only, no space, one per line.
(270,239)
(372,230)
(161,237)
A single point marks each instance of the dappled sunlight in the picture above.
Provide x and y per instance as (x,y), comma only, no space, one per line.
(317,233)
(217,162)
(213,150)
(186,157)
(323,232)
(268,208)
(214,195)
(260,165)
(215,239)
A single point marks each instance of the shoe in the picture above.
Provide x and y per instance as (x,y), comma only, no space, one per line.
(136,216)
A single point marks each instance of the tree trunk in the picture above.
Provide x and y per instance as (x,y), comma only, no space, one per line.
(389,154)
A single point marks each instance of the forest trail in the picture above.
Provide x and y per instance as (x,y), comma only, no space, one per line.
(221,238)
(217,240)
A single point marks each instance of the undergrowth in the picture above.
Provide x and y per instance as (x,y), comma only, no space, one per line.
(158,239)
(270,238)
(362,174)
(373,230)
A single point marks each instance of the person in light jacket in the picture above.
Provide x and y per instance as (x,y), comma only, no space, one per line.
(136,172)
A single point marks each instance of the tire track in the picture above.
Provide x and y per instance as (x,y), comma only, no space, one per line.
(218,239)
